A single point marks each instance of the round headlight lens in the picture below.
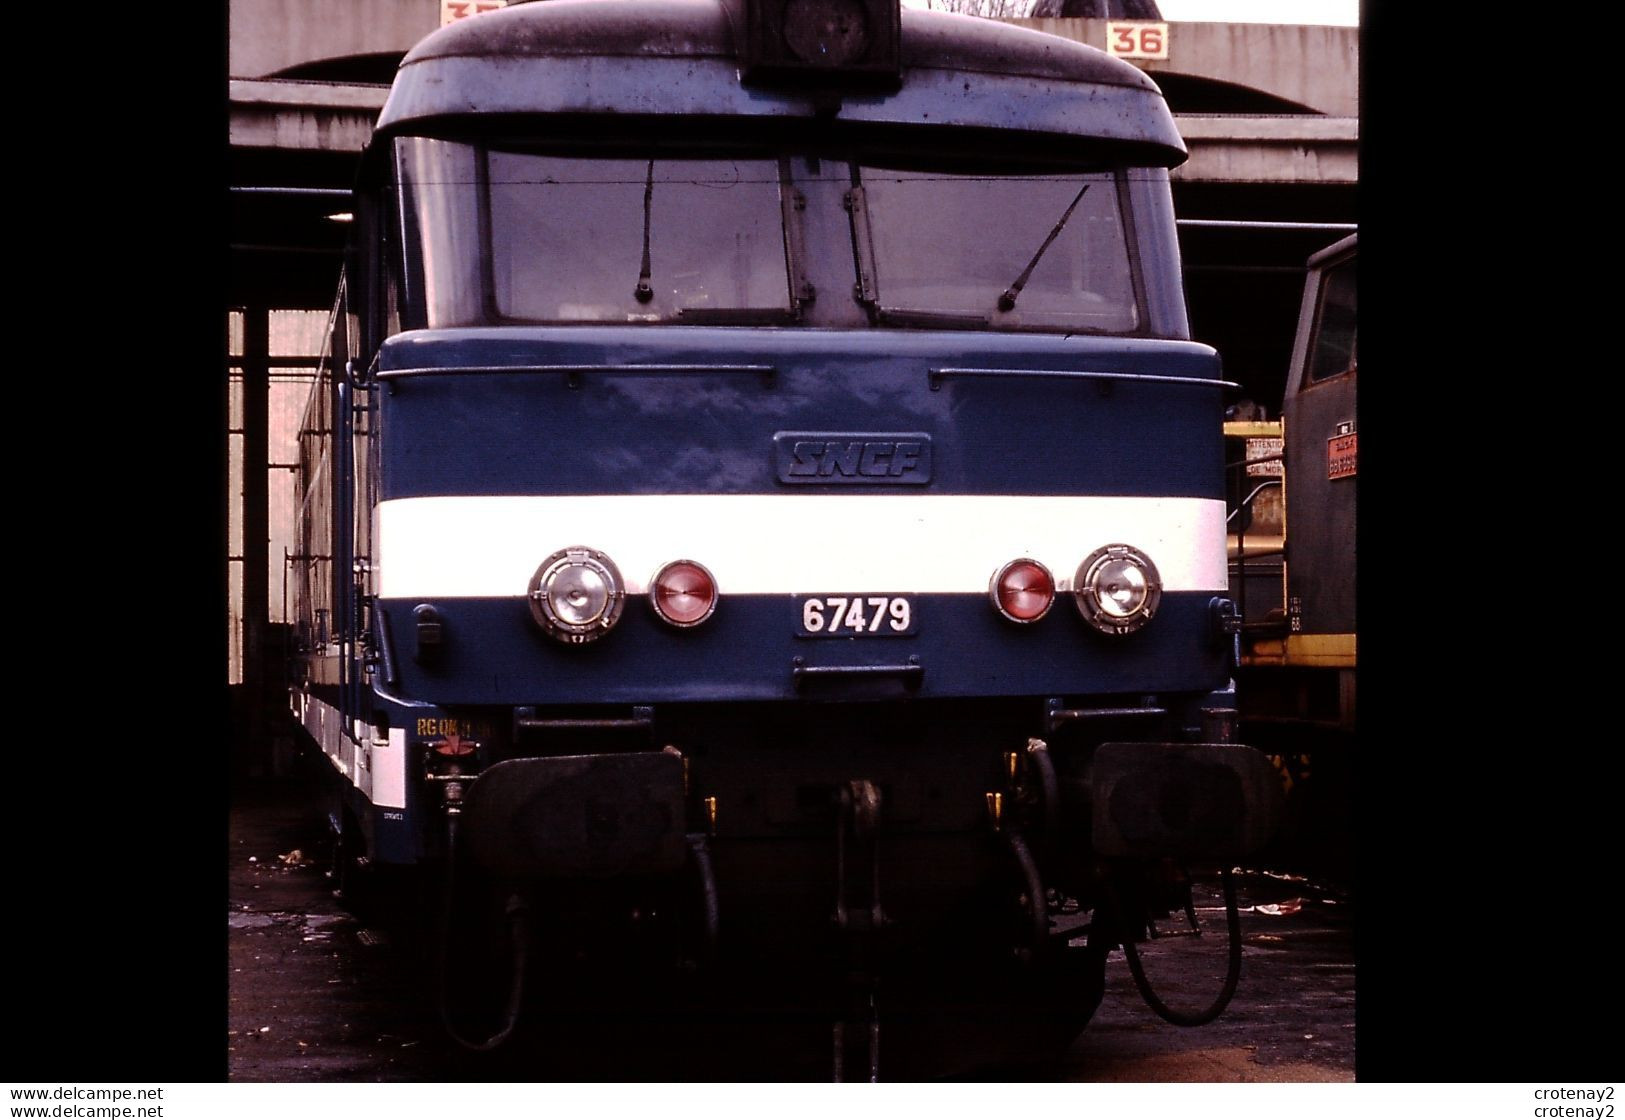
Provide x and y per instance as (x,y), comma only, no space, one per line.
(683,593)
(1117,589)
(577,595)
(1022,590)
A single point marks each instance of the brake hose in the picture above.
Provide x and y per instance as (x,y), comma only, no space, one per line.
(1232,974)
(519,932)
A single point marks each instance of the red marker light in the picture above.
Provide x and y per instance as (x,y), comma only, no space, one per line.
(683,593)
(1022,591)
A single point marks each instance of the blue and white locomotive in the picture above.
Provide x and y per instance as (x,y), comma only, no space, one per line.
(762,485)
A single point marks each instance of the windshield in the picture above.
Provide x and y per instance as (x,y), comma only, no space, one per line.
(619,239)
(510,236)
(501,235)
(1030,250)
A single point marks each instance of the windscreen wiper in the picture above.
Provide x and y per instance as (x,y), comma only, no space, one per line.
(643,291)
(1007,301)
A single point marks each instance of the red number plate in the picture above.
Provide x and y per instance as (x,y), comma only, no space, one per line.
(1342,456)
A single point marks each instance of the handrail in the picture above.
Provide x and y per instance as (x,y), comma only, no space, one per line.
(573,371)
(935,376)
(911,674)
(1241,534)
(1247,501)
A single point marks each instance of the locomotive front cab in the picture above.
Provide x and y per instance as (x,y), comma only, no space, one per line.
(807,494)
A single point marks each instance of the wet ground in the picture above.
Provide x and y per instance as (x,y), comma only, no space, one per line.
(1292,1017)
(318,993)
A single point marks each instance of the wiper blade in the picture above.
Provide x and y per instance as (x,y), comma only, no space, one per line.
(643,291)
(1007,301)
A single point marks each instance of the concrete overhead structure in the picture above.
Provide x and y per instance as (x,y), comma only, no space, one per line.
(304,116)
(1256,103)
(272,37)
(1311,134)
(1314,67)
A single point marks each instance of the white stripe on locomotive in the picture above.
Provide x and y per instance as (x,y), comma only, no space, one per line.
(762,544)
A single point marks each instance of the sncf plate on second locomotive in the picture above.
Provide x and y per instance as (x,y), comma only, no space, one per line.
(855,616)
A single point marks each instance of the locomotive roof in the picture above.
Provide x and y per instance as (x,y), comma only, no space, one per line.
(666,57)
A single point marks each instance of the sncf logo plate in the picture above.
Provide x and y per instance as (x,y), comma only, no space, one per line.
(853,458)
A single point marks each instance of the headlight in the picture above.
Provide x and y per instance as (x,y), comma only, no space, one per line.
(1117,589)
(1022,590)
(576,595)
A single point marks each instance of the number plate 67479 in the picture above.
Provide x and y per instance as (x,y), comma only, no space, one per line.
(855,616)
